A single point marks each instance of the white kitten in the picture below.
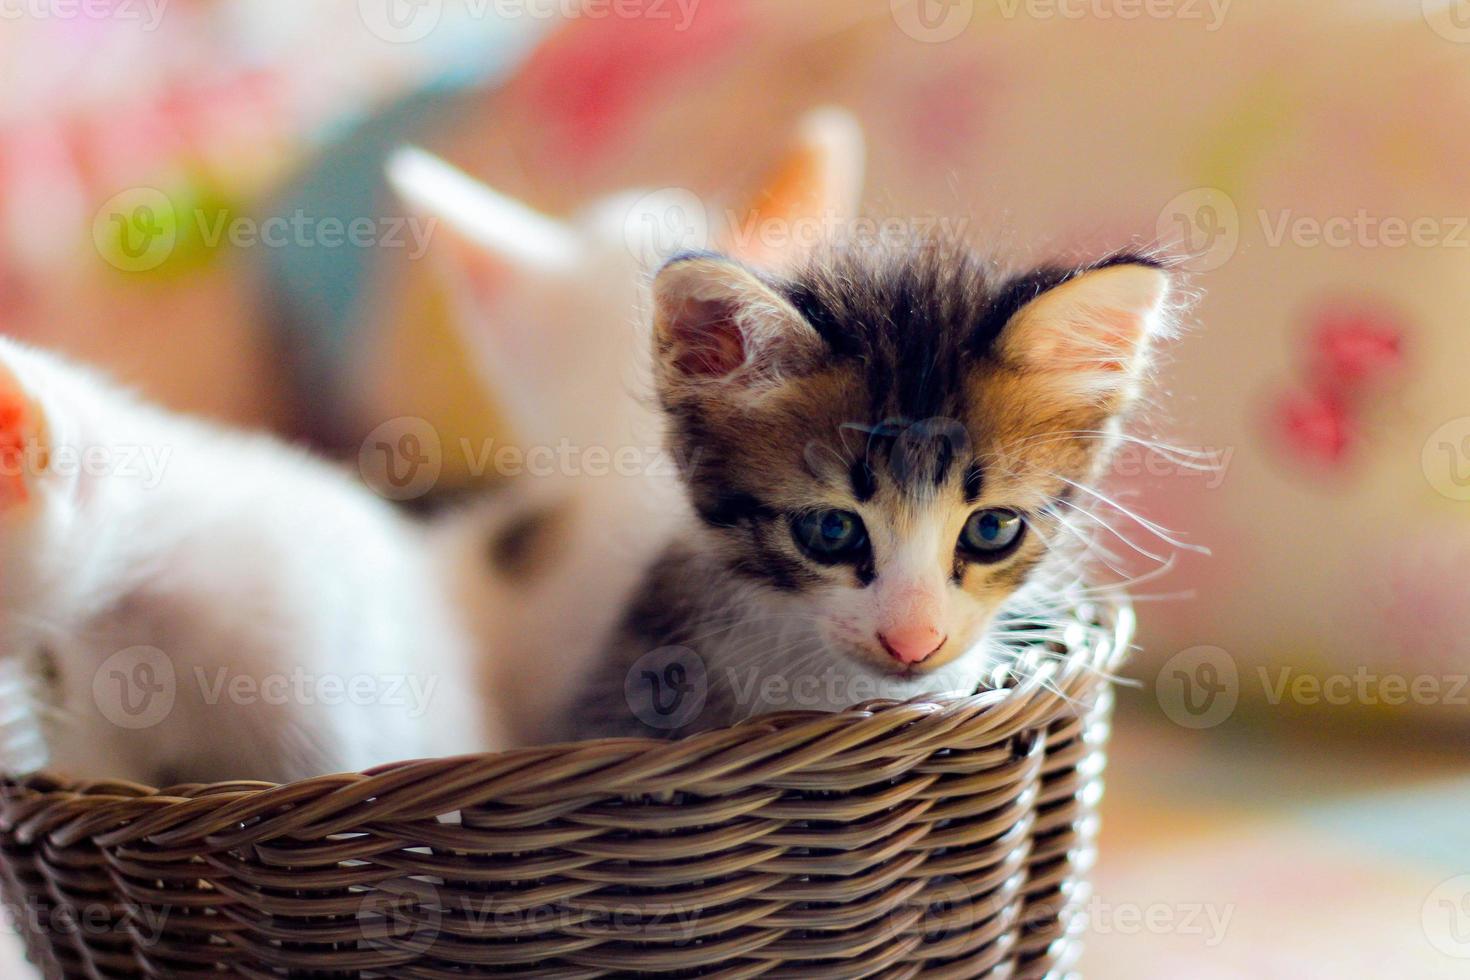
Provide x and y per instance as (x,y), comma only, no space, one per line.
(196,604)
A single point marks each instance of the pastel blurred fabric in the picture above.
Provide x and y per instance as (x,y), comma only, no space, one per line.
(141,141)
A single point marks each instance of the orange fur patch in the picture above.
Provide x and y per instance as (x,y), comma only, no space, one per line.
(14,419)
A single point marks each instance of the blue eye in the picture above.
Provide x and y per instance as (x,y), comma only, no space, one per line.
(990,534)
(830,535)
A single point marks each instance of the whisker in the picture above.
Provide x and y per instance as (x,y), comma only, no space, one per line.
(1132,545)
(1180,454)
(1157,529)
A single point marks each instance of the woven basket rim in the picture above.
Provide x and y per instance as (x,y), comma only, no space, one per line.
(763,749)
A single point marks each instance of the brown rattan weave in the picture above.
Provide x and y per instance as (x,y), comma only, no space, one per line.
(933,839)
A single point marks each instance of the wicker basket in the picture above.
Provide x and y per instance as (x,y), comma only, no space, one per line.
(910,839)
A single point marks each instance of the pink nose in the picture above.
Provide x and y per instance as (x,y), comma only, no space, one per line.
(911,644)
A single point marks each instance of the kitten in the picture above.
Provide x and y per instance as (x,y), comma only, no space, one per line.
(550,310)
(188,603)
(553,312)
(881,453)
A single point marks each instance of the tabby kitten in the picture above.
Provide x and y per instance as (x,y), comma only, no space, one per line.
(881,454)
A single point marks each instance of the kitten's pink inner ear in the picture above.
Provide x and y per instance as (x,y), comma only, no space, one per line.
(819,179)
(1100,321)
(483,276)
(1105,332)
(715,319)
(705,337)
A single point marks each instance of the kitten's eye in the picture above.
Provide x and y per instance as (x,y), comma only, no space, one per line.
(991,534)
(830,535)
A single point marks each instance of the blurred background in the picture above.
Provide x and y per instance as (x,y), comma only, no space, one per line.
(180,181)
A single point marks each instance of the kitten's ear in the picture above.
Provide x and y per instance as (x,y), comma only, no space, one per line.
(488,239)
(818,180)
(715,320)
(1092,332)
(492,256)
(22,442)
(29,430)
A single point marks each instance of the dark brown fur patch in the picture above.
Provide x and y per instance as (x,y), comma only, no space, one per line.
(864,480)
(48,671)
(525,543)
(974,482)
